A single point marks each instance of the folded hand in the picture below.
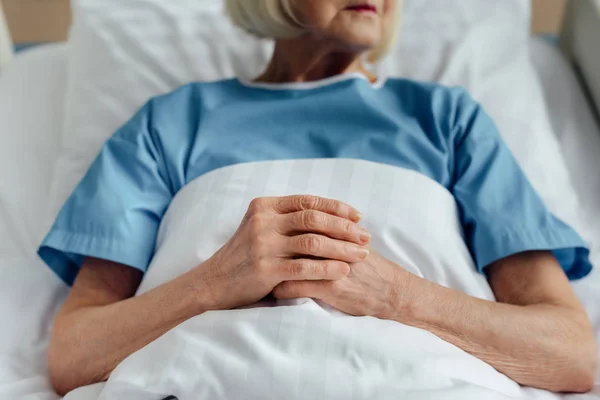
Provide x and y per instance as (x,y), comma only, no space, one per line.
(373,287)
(280,239)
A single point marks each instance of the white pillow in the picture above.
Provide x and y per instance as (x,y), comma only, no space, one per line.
(576,129)
(32,93)
(122,53)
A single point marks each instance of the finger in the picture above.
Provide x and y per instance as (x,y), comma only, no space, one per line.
(290,204)
(323,247)
(299,289)
(313,270)
(329,225)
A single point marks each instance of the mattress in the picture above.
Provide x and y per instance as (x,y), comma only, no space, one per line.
(31,103)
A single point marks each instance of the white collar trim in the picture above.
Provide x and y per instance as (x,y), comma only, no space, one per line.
(313,84)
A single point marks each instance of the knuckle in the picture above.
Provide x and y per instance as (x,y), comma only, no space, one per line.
(335,269)
(326,267)
(308,202)
(262,267)
(338,207)
(311,244)
(311,220)
(256,224)
(348,227)
(257,205)
(297,268)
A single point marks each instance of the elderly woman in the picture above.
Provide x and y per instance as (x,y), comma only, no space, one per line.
(316,99)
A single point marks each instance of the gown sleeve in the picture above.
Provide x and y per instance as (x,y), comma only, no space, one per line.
(115,211)
(501,213)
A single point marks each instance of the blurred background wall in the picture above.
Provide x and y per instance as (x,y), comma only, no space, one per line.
(548,15)
(33,21)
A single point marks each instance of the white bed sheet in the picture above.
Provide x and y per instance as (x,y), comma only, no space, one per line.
(32,92)
(31,101)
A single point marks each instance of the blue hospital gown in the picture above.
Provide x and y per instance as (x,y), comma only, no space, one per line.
(442,133)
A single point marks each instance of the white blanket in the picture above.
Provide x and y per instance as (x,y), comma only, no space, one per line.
(303,349)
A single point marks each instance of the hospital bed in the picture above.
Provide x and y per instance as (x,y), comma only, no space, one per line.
(32,100)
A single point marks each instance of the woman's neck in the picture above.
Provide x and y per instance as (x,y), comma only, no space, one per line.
(301,60)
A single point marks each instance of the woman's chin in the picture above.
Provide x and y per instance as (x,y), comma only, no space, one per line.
(361,38)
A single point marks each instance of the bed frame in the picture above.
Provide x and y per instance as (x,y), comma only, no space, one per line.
(580,41)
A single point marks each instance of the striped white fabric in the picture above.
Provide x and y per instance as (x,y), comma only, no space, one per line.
(303,349)
(413,219)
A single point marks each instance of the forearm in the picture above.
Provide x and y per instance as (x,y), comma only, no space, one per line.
(89,342)
(542,345)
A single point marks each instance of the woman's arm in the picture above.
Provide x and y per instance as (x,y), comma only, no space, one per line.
(538,334)
(101,323)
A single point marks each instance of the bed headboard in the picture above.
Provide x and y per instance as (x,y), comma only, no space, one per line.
(579,41)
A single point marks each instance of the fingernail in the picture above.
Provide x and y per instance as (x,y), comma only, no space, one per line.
(345,269)
(362,253)
(357,217)
(365,236)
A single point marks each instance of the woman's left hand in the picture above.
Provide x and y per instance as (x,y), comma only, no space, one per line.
(373,287)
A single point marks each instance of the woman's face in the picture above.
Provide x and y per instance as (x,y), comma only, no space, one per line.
(356,25)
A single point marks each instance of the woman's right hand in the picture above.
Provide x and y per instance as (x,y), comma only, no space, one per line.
(282,239)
